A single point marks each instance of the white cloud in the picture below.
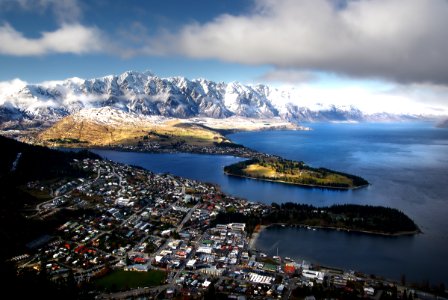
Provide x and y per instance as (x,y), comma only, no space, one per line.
(400,99)
(69,38)
(404,40)
(11,87)
(432,96)
(288,76)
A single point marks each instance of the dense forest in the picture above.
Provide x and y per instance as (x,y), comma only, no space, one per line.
(373,219)
(377,219)
(294,172)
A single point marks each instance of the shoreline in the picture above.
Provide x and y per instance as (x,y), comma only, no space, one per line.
(255,235)
(311,186)
(175,151)
(260,228)
(246,152)
(397,234)
(245,155)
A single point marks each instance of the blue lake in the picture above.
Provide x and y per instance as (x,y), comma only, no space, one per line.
(406,164)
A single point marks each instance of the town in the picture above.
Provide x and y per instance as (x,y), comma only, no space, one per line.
(223,148)
(125,222)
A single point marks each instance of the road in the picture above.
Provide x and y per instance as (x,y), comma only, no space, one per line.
(39,207)
(187,217)
(120,179)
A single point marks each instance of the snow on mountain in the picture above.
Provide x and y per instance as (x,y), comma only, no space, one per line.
(115,117)
(147,94)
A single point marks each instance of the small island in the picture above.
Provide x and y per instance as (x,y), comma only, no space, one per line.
(281,170)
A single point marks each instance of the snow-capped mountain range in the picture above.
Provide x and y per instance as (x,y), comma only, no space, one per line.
(147,94)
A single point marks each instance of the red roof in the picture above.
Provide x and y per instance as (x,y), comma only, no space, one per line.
(139,260)
(79,249)
(289,269)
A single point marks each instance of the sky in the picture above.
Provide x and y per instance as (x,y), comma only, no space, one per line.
(382,55)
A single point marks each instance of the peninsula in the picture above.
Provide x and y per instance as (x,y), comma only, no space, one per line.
(350,217)
(277,169)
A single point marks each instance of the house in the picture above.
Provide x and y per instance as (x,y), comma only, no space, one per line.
(237,226)
(289,268)
(313,274)
(139,268)
(191,264)
(207,250)
(256,278)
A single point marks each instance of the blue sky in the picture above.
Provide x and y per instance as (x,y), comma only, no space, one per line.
(390,50)
(114,18)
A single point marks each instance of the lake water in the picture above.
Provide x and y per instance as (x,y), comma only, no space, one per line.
(406,164)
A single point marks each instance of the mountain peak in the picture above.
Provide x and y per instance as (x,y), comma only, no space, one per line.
(145,94)
(148,73)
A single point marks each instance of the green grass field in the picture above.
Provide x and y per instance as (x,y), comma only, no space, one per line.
(257,170)
(121,280)
(295,175)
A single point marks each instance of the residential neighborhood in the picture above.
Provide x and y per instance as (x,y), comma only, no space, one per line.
(126,219)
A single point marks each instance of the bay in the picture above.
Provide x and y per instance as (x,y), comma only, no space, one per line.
(406,164)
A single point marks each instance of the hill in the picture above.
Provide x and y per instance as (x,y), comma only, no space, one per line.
(108,126)
(22,163)
(98,127)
